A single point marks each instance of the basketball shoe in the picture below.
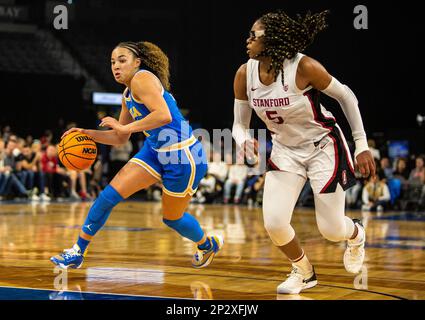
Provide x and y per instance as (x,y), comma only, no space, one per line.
(297,281)
(70,258)
(354,253)
(203,258)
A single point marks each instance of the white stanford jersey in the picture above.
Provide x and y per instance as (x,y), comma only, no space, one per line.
(294,116)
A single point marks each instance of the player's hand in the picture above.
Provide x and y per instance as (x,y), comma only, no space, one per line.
(366,164)
(249,149)
(72,130)
(112,123)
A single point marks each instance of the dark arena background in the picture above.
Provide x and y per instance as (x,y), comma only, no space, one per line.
(55,73)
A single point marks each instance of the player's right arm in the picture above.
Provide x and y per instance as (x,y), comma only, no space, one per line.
(242,114)
(110,137)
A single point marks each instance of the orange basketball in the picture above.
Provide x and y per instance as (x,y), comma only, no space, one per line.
(77,151)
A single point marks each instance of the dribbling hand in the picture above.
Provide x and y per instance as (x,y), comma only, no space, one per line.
(366,164)
(72,130)
(249,149)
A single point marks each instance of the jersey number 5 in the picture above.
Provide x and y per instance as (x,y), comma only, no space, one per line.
(271,115)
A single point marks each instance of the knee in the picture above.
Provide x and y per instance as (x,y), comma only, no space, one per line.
(280,232)
(334,232)
(106,200)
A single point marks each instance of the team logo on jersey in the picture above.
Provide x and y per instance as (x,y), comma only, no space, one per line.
(285,87)
(344,177)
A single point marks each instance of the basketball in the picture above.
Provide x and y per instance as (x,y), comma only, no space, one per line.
(77,151)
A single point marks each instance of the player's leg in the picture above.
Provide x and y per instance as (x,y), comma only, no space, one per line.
(177,218)
(330,169)
(335,226)
(139,173)
(180,182)
(281,191)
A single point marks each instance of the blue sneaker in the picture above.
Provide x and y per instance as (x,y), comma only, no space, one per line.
(203,258)
(70,258)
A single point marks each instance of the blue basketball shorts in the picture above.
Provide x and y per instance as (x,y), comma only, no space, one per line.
(180,166)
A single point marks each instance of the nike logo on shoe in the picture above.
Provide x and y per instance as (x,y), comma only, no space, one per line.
(312,278)
(252,89)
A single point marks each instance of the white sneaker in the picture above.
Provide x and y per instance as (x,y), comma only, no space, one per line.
(354,253)
(297,282)
(34,197)
(45,197)
(74,196)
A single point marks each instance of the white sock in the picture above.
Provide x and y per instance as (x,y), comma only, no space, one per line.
(303,264)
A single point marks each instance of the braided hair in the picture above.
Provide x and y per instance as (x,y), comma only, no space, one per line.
(152,59)
(284,37)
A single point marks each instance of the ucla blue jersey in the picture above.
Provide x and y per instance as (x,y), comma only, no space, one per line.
(176,131)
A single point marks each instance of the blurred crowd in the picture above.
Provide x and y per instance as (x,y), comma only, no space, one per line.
(30,170)
(399,184)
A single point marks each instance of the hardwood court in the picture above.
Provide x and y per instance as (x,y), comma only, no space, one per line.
(137,255)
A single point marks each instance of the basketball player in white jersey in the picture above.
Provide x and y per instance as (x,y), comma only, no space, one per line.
(283,86)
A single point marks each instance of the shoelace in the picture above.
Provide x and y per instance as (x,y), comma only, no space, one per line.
(355,252)
(294,274)
(199,255)
(69,253)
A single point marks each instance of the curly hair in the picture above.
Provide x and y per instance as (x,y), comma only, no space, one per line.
(152,59)
(284,37)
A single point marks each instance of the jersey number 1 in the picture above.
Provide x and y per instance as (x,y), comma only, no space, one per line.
(271,115)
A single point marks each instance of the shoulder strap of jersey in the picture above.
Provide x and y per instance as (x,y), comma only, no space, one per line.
(293,73)
(251,66)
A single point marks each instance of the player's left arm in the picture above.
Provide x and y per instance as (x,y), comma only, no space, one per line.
(311,72)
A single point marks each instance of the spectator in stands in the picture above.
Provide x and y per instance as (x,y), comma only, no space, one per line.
(417,175)
(119,156)
(46,139)
(207,191)
(250,191)
(416,181)
(218,168)
(2,168)
(254,185)
(29,140)
(352,198)
(32,163)
(237,177)
(80,178)
(6,132)
(9,169)
(154,192)
(386,167)
(55,175)
(372,148)
(95,181)
(401,171)
(376,194)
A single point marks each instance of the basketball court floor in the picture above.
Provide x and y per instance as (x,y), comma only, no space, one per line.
(137,257)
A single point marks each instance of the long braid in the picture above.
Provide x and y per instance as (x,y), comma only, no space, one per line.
(152,59)
(285,37)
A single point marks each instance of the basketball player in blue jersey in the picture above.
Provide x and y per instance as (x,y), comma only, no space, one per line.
(171,153)
(283,87)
